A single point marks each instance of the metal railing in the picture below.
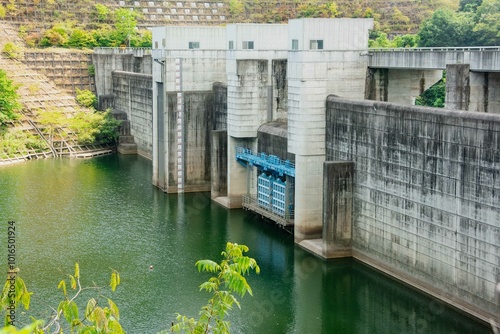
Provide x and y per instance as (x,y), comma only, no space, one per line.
(433,49)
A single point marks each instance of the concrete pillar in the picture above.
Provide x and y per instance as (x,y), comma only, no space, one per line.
(306,139)
(219,164)
(377,82)
(484,92)
(457,86)
(338,212)
(247,109)
(236,173)
(247,92)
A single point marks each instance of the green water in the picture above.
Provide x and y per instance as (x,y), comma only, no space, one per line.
(104,213)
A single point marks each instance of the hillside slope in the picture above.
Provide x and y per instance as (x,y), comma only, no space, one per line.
(395,16)
(38,93)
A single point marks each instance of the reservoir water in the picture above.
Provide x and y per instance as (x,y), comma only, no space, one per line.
(104,213)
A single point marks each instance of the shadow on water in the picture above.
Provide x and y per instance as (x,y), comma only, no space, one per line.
(105,214)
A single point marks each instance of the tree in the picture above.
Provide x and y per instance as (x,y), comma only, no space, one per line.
(229,280)
(446,28)
(434,96)
(469,5)
(86,98)
(9,99)
(94,319)
(51,120)
(487,28)
(101,12)
(80,39)
(125,23)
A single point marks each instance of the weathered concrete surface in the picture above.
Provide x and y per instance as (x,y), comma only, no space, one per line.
(198,111)
(133,95)
(279,90)
(107,60)
(457,86)
(219,164)
(220,106)
(472,91)
(247,97)
(272,139)
(427,194)
(481,59)
(399,86)
(338,189)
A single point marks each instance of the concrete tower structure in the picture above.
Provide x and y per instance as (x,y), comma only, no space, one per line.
(252,52)
(186,63)
(325,57)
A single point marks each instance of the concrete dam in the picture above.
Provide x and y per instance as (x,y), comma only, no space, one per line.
(304,125)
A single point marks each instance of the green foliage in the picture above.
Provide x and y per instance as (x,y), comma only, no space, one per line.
(380,40)
(406,41)
(236,7)
(229,280)
(434,96)
(91,69)
(58,35)
(469,5)
(68,316)
(86,98)
(9,99)
(51,120)
(477,23)
(80,39)
(112,29)
(125,23)
(12,50)
(87,127)
(15,141)
(318,10)
(102,12)
(108,128)
(487,28)
(3,12)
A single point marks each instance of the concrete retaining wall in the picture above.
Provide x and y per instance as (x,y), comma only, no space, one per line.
(134,96)
(427,194)
(68,70)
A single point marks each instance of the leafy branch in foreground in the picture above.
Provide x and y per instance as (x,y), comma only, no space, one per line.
(229,280)
(94,319)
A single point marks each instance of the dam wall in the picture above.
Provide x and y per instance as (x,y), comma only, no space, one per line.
(133,95)
(426,194)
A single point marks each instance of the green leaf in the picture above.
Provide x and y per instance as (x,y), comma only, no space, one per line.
(91,305)
(73,282)
(114,311)
(207,265)
(115,280)
(77,270)
(70,311)
(62,285)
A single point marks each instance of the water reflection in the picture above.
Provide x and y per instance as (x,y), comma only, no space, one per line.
(105,214)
